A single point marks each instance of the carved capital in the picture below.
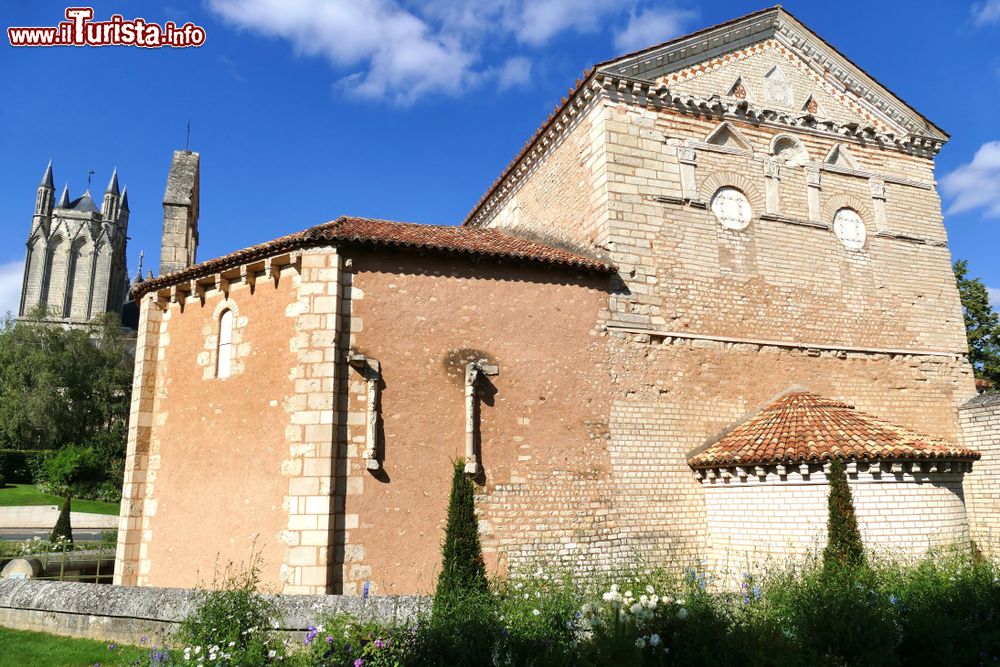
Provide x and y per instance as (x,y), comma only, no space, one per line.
(877,186)
(812,176)
(772,168)
(687,155)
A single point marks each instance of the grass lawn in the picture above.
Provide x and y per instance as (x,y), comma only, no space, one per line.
(26,494)
(27,649)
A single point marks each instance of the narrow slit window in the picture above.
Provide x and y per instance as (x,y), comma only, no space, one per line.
(225,351)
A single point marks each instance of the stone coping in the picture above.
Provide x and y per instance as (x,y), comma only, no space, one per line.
(126,613)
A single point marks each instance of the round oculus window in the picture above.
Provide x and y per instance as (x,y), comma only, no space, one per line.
(731,208)
(850,229)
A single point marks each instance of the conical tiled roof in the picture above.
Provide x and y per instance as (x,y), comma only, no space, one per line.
(801,426)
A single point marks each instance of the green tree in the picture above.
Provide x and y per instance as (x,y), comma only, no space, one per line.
(982,325)
(463,571)
(60,386)
(843,539)
(63,528)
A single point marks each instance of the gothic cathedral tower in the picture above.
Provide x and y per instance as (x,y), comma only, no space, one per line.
(75,261)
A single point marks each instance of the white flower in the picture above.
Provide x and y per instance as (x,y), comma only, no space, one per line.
(197,650)
(640,643)
(654,640)
(628,594)
(650,590)
(535,612)
(232,644)
(272,653)
(636,608)
(682,613)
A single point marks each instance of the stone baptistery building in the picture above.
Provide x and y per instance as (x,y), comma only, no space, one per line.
(719,264)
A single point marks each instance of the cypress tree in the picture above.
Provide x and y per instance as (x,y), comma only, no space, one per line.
(63,528)
(843,547)
(463,571)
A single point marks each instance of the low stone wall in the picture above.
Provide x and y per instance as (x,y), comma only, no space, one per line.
(45,516)
(126,614)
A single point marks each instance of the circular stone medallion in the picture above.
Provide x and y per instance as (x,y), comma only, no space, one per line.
(850,229)
(731,208)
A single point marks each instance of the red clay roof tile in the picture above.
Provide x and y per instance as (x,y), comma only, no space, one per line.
(465,240)
(801,426)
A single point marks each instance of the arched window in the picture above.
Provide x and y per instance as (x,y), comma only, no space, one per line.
(225,347)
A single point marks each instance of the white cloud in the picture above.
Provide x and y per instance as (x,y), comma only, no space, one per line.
(400,50)
(11,275)
(515,72)
(650,27)
(540,20)
(994,293)
(977,184)
(985,13)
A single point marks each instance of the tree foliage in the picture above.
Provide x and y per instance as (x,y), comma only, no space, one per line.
(982,325)
(463,571)
(843,539)
(60,386)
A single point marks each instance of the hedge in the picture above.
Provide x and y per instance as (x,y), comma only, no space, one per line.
(22,466)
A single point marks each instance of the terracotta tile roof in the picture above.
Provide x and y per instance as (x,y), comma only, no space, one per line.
(801,426)
(441,238)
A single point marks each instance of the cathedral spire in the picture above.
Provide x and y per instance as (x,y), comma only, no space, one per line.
(124,206)
(64,199)
(113,183)
(111,206)
(44,197)
(138,274)
(47,177)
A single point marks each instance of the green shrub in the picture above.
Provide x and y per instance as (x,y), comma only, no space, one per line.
(63,530)
(75,468)
(954,599)
(944,609)
(233,623)
(3,481)
(463,571)
(342,639)
(843,547)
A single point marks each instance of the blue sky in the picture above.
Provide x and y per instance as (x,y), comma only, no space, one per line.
(307,109)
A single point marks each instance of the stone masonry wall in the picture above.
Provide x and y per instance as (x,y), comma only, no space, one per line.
(980,423)
(561,197)
(220,468)
(753,522)
(786,276)
(544,492)
(671,395)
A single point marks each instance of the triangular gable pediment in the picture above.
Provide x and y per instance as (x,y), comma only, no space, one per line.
(777,24)
(727,135)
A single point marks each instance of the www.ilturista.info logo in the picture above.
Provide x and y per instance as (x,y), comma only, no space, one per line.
(80,30)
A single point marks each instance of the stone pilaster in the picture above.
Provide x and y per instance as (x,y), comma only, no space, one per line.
(134,492)
(306,568)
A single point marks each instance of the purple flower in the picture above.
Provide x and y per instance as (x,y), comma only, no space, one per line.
(329,639)
(364,590)
(112,646)
(143,639)
(359,663)
(378,643)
